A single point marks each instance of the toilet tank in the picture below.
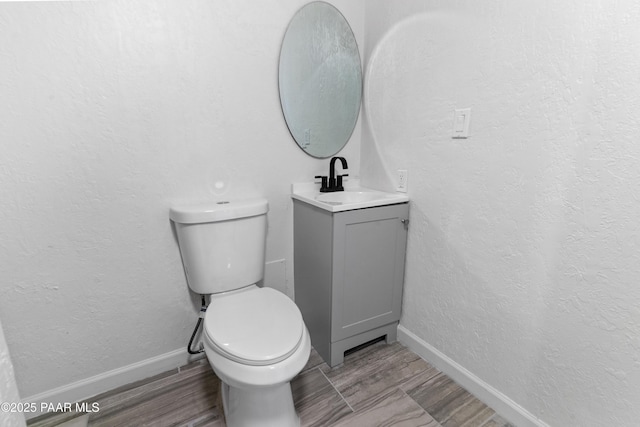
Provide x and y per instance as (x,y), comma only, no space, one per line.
(222,243)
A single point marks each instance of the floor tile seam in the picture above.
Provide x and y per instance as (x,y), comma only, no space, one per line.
(151,401)
(373,400)
(138,393)
(49,419)
(145,391)
(337,391)
(450,413)
(420,406)
(408,380)
(447,393)
(130,402)
(366,370)
(465,404)
(487,420)
(373,403)
(490,417)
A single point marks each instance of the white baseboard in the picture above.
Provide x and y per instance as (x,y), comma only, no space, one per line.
(89,387)
(504,406)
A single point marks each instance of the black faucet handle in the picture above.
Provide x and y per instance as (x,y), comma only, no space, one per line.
(323,185)
(339,182)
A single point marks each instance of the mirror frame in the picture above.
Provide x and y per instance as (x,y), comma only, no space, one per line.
(317,67)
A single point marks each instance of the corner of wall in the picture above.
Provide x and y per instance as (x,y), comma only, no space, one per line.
(8,389)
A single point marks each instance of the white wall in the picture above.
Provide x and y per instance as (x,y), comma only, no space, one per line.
(9,417)
(110,112)
(523,250)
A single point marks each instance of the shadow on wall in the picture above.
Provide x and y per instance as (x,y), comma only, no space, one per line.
(520,258)
(399,102)
(464,293)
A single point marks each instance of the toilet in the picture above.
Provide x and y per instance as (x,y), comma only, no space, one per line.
(254,337)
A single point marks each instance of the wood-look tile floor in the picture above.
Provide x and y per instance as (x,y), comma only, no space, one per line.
(379,385)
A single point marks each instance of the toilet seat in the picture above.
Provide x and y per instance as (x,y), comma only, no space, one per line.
(254,326)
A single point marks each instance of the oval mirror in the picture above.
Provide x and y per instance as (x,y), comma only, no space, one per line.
(320,79)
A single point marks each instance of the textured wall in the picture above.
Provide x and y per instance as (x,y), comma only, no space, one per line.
(8,388)
(110,112)
(523,251)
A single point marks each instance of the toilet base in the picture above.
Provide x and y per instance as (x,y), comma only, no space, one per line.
(259,407)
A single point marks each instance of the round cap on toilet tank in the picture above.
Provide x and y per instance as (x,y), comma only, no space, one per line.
(221,210)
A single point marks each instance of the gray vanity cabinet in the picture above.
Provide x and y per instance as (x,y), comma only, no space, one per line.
(349,272)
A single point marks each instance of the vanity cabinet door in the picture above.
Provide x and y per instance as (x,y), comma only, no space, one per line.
(368,268)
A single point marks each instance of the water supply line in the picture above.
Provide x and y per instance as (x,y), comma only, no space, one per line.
(203,310)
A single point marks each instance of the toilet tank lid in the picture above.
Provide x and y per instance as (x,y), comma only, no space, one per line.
(219,210)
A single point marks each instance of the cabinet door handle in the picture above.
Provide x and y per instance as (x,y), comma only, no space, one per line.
(405,222)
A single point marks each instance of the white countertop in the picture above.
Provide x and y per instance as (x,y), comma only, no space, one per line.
(354,197)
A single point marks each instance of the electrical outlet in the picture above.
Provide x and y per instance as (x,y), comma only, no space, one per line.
(402,180)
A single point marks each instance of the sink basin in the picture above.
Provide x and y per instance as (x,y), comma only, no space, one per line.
(353,197)
(340,197)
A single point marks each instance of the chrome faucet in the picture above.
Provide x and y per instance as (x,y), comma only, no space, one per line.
(334,182)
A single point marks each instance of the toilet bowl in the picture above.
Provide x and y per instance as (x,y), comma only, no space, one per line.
(256,358)
(254,337)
